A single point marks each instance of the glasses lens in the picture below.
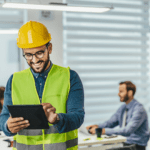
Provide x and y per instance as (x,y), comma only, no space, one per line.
(28,56)
(40,54)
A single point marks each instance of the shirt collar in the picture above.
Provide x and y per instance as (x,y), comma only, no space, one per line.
(43,74)
(128,106)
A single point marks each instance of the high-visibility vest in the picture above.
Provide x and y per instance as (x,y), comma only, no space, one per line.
(56,90)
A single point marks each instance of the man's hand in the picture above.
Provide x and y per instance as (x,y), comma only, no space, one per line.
(50,112)
(16,124)
(92,128)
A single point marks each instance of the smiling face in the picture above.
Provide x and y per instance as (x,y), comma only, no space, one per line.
(123,94)
(39,65)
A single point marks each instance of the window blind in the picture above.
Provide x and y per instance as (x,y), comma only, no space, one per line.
(105,49)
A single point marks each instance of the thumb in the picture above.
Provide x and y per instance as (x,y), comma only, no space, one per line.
(88,127)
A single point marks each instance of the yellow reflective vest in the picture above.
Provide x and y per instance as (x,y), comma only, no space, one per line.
(56,90)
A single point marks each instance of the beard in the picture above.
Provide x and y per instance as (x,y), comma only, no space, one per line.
(44,67)
(126,98)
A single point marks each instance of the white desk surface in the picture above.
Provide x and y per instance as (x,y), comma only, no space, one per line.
(94,141)
(4,144)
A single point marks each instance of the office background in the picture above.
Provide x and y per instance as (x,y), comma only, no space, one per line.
(104,49)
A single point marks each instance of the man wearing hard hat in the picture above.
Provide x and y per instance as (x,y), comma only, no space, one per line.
(58,89)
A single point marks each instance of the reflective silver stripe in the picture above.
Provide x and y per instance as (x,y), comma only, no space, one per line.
(51,129)
(62,146)
(19,146)
(14,143)
(30,132)
(56,146)
(72,143)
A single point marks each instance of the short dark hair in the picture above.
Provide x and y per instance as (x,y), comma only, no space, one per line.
(129,86)
(47,44)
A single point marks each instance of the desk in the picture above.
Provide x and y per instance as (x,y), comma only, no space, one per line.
(95,144)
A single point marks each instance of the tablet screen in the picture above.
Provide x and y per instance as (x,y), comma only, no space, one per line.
(34,113)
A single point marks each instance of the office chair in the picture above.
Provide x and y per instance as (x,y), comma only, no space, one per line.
(130,147)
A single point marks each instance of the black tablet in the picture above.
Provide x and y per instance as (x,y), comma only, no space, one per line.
(34,113)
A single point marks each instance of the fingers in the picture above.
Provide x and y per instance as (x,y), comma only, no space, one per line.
(91,128)
(52,118)
(48,107)
(20,127)
(92,131)
(50,112)
(88,127)
(53,109)
(13,120)
(17,124)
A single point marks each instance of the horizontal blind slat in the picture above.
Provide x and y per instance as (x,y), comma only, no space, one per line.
(105,4)
(87,20)
(85,28)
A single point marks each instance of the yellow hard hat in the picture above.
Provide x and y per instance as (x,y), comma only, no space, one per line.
(33,34)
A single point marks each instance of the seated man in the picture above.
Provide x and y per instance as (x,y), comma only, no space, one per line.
(131,117)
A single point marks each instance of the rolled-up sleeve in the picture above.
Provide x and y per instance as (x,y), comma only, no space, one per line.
(112,122)
(5,112)
(137,119)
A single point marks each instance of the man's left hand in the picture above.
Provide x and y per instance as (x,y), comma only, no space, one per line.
(50,112)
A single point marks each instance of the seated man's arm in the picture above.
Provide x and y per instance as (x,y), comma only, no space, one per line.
(112,122)
(5,112)
(137,119)
(75,106)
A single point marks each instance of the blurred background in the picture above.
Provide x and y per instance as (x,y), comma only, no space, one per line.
(103,48)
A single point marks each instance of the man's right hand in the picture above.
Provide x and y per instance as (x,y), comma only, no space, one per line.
(92,128)
(17,124)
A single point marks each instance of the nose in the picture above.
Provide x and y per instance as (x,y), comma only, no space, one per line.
(35,59)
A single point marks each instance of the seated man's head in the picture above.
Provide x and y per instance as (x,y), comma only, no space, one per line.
(126,91)
(2,89)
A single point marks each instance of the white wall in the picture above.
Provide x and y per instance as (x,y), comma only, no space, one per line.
(8,57)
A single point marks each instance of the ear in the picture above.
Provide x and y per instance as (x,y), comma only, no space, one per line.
(50,48)
(130,93)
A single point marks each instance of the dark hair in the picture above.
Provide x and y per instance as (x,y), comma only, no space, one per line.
(47,44)
(129,86)
(2,89)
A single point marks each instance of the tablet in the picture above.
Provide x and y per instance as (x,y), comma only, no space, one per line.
(34,113)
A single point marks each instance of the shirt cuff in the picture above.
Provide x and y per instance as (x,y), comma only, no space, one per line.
(60,123)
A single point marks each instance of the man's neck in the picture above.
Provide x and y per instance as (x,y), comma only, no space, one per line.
(48,65)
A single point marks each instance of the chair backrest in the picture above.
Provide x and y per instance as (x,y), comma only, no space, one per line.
(130,147)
